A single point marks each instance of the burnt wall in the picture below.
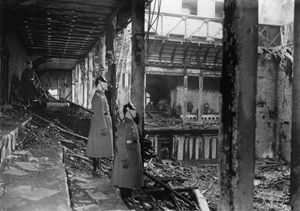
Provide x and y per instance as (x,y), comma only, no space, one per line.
(284,121)
(265,107)
(17,58)
(273,108)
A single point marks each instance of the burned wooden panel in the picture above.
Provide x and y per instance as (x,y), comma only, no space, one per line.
(58,80)
(185,147)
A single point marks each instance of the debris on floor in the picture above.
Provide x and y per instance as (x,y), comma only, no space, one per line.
(168,184)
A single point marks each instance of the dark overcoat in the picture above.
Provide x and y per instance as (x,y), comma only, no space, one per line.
(100,145)
(131,177)
(28,89)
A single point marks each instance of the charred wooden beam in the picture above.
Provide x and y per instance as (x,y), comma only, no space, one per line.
(52,124)
(172,191)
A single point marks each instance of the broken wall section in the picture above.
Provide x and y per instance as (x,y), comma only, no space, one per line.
(13,61)
(273,108)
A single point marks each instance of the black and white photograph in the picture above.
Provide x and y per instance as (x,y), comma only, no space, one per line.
(158,105)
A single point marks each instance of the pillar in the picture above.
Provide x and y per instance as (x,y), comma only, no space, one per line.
(238,88)
(295,145)
(200,94)
(1,70)
(138,59)
(102,54)
(112,73)
(85,79)
(185,97)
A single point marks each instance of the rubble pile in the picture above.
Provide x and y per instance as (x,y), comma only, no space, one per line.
(168,184)
(12,117)
(272,180)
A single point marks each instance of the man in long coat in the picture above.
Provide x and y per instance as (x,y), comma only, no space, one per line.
(128,168)
(28,81)
(100,140)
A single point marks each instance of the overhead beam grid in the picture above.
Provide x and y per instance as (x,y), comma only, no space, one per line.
(61,28)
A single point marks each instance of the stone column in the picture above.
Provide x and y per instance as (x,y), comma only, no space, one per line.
(238,88)
(138,59)
(295,145)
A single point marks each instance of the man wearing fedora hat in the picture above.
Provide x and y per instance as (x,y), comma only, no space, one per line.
(128,168)
(100,140)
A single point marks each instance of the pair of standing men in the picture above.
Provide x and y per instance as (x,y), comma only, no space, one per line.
(127,171)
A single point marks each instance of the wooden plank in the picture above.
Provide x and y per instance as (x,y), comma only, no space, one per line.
(201,201)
